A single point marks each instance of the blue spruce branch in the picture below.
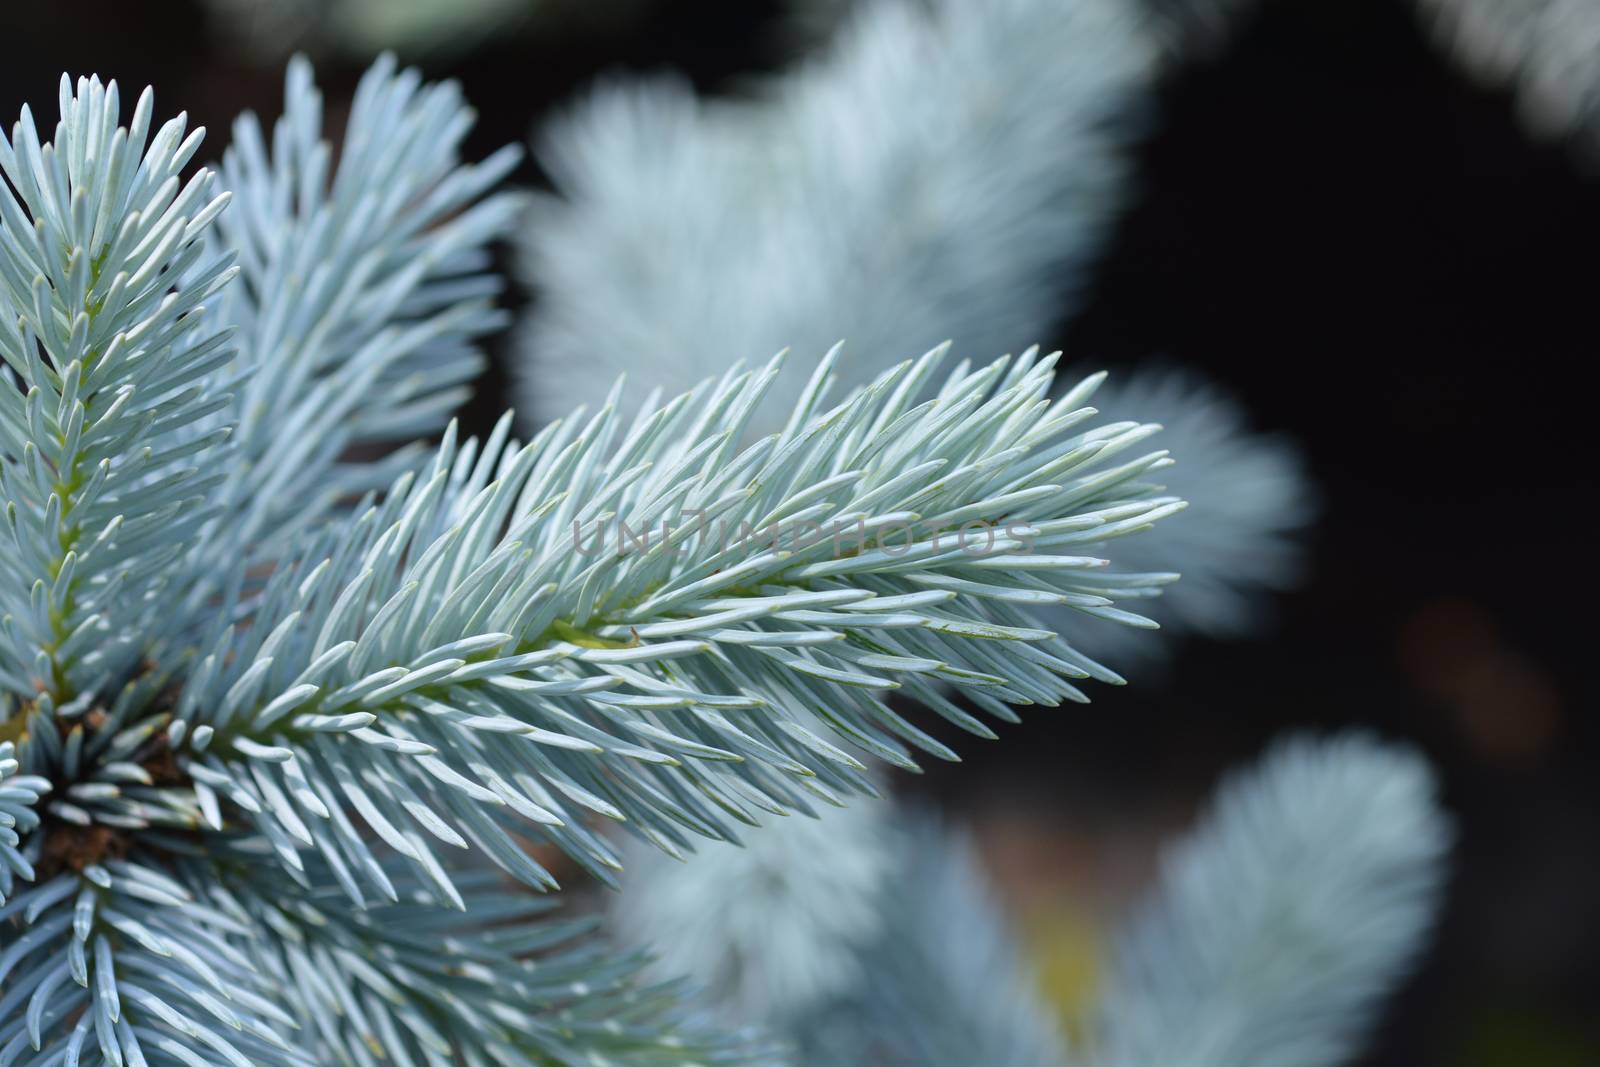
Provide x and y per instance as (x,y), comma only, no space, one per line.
(244,709)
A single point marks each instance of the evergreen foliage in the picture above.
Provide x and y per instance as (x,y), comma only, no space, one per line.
(245,709)
(941,170)
(1271,937)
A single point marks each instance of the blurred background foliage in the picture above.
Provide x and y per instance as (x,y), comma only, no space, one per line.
(1341,227)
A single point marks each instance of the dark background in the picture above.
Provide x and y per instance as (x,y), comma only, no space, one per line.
(1364,245)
